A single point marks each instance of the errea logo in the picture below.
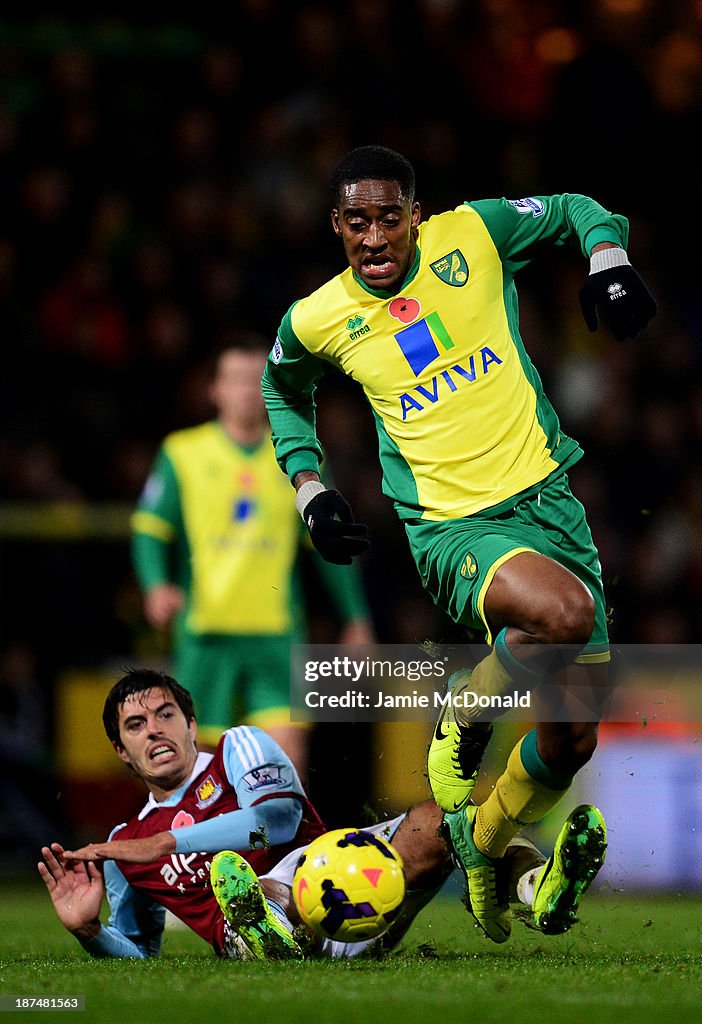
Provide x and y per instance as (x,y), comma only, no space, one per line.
(616,291)
(357,327)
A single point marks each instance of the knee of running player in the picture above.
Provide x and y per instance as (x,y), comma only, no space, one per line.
(564,616)
(571,618)
(534,602)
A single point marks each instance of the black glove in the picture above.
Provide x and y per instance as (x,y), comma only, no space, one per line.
(334,533)
(623,300)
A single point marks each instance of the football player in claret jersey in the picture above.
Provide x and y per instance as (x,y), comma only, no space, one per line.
(425,318)
(240,813)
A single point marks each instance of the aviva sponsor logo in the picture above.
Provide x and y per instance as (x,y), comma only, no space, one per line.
(357,326)
(448,381)
(421,343)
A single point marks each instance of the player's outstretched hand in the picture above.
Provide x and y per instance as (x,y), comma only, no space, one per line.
(332,528)
(619,296)
(76,890)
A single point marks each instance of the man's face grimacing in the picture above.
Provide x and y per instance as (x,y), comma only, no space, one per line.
(378,226)
(157,741)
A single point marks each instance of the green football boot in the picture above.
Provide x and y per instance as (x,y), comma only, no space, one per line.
(455,753)
(242,901)
(485,898)
(578,854)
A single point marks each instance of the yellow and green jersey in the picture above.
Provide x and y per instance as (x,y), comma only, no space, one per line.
(462,418)
(219,519)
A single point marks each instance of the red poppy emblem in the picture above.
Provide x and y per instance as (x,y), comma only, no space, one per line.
(182,819)
(404,310)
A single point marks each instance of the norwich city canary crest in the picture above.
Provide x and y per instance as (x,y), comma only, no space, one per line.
(451,269)
(469,567)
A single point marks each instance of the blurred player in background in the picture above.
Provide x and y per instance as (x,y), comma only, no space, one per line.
(425,318)
(247,797)
(216,542)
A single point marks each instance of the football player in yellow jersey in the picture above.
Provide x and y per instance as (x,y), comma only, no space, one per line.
(425,318)
(216,539)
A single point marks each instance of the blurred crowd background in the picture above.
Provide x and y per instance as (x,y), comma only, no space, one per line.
(164,185)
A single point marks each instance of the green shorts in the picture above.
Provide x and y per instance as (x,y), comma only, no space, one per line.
(235,679)
(458,558)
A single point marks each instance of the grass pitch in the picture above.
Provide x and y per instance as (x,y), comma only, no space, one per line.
(631,958)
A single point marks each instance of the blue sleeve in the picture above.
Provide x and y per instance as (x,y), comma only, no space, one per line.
(135,924)
(256,766)
(268,824)
(257,769)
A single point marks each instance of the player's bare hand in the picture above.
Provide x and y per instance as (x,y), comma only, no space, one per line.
(162,603)
(131,851)
(76,890)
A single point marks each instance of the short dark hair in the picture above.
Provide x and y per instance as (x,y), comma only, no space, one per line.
(373,163)
(139,680)
(233,340)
